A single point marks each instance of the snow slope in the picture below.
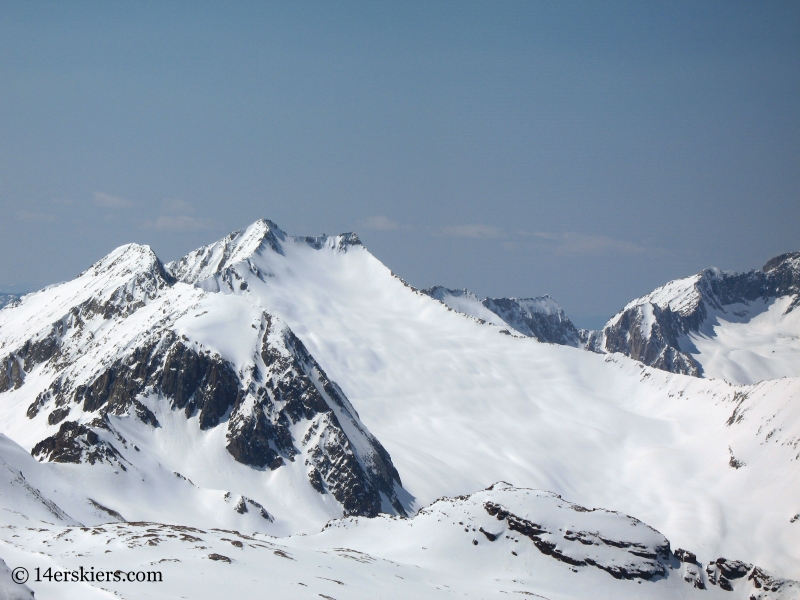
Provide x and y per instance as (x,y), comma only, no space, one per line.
(741,327)
(459,406)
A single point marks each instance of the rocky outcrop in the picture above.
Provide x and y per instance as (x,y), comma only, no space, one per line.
(644,561)
(143,278)
(244,505)
(198,383)
(583,538)
(217,260)
(78,443)
(540,318)
(286,392)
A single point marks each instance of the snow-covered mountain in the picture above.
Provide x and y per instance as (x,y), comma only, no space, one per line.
(201,394)
(541,318)
(742,327)
(129,368)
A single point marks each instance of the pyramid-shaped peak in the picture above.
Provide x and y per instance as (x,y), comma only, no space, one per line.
(128,258)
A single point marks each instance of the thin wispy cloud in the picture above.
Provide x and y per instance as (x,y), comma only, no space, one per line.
(176,215)
(104,200)
(380,223)
(476,231)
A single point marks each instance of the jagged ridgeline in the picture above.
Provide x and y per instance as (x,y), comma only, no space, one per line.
(128,340)
(663,329)
(540,318)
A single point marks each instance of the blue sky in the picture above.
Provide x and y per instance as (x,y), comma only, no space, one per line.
(591,151)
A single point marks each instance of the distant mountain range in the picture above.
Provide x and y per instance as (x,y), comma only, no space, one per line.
(288,403)
(742,327)
(8,298)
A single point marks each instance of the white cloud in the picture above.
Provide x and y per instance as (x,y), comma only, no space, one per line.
(380,223)
(475,231)
(175,223)
(104,200)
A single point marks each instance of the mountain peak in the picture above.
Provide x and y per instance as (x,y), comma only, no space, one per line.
(125,258)
(242,245)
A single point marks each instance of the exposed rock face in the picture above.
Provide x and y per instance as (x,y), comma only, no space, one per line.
(102,357)
(653,329)
(541,318)
(198,383)
(244,505)
(15,365)
(685,556)
(293,390)
(652,336)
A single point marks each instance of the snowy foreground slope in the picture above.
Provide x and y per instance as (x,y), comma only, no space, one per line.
(496,542)
(267,384)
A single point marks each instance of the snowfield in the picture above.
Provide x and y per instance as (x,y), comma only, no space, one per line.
(702,464)
(750,343)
